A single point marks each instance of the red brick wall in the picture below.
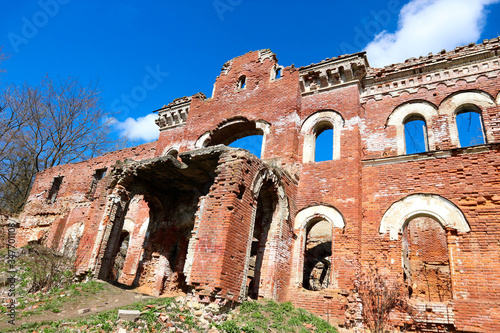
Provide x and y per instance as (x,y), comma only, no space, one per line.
(362,185)
(275,101)
(475,255)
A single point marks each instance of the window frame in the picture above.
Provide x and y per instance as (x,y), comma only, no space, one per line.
(310,129)
(301,224)
(466,108)
(422,109)
(416,117)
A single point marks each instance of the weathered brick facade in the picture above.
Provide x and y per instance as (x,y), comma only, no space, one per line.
(186,212)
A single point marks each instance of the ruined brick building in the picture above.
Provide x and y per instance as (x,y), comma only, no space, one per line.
(187,212)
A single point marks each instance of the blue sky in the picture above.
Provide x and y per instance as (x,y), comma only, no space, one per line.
(147,53)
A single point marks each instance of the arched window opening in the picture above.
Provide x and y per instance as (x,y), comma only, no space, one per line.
(242,82)
(173,152)
(342,74)
(324,142)
(317,255)
(252,143)
(238,132)
(276,72)
(120,256)
(415,135)
(426,264)
(267,204)
(470,128)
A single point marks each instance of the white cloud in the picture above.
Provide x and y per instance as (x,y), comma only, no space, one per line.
(429,26)
(142,128)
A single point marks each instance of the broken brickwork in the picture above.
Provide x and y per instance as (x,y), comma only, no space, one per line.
(187,213)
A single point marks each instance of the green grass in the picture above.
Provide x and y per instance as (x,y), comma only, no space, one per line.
(250,317)
(271,316)
(103,321)
(52,301)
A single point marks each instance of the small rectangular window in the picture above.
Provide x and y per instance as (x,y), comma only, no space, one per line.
(98,175)
(54,189)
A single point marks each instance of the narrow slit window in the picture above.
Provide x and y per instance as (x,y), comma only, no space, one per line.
(98,175)
(342,74)
(54,189)
(415,135)
(242,82)
(470,128)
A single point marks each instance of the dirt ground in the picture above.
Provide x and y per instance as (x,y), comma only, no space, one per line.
(109,298)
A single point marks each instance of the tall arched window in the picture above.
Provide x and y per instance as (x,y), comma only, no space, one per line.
(266,260)
(315,227)
(413,123)
(415,135)
(464,110)
(317,255)
(321,133)
(470,126)
(324,142)
(422,219)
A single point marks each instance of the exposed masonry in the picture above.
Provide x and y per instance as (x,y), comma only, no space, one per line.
(187,213)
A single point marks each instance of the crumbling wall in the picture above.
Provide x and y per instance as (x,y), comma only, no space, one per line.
(222,223)
(47,223)
(234,204)
(275,101)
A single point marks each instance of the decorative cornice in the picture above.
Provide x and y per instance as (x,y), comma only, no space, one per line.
(430,155)
(332,73)
(176,112)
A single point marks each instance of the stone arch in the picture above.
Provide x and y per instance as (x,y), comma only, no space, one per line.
(172,150)
(403,112)
(415,205)
(314,124)
(233,129)
(266,174)
(269,217)
(303,220)
(453,104)
(328,213)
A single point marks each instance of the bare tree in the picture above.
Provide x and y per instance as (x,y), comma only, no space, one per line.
(57,122)
(3,56)
(379,296)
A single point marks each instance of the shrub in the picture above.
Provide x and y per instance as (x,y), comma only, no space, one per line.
(379,296)
(47,269)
